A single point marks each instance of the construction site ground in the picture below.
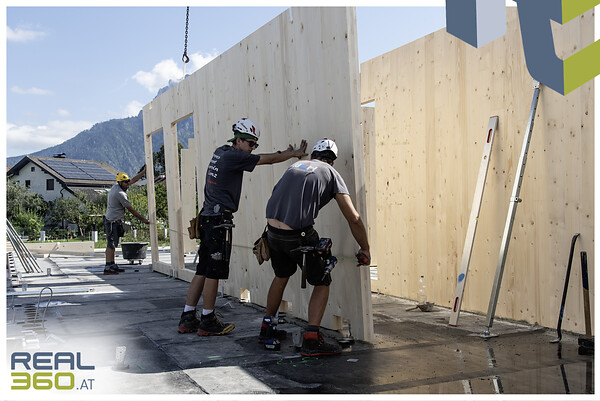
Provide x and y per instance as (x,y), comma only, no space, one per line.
(412,353)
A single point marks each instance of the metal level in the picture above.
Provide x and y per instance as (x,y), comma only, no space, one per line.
(473,220)
(512,210)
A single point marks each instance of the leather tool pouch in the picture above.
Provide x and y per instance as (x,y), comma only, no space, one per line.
(261,248)
(194,228)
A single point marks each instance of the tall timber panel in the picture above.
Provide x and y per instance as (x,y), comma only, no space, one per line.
(296,77)
(433,99)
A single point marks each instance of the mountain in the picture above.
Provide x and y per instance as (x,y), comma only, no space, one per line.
(118,142)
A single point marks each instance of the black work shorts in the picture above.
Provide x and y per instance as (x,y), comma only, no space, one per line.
(113,231)
(286,260)
(214,254)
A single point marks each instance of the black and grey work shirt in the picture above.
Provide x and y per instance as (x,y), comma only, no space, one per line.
(223,186)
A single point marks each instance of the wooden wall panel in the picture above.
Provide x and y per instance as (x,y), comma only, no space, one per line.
(188,192)
(296,77)
(369,138)
(433,99)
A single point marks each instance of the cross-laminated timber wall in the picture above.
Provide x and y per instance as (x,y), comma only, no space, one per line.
(296,77)
(432,100)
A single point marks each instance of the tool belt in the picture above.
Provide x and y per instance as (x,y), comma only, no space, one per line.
(120,227)
(323,250)
(197,222)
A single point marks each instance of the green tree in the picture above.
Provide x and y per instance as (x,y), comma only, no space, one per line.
(138,196)
(160,198)
(95,209)
(28,223)
(19,200)
(158,158)
(69,210)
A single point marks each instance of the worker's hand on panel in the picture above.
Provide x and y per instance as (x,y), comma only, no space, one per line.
(300,152)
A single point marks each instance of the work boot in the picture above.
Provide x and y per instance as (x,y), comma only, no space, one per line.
(119,269)
(313,344)
(188,322)
(210,325)
(269,331)
(113,264)
(111,269)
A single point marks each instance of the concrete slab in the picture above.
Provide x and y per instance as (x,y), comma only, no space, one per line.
(413,352)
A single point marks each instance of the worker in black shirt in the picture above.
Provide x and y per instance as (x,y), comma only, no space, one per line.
(222,191)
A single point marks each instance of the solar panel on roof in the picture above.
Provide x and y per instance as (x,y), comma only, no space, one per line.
(79,170)
(62,167)
(95,171)
(54,163)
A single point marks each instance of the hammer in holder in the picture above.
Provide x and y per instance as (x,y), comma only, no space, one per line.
(227,244)
(304,250)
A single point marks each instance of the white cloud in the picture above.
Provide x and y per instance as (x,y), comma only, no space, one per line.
(30,91)
(133,108)
(23,35)
(167,70)
(63,113)
(27,139)
(198,60)
(159,76)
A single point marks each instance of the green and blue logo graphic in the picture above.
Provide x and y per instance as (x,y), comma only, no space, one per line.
(473,22)
(476,22)
(48,370)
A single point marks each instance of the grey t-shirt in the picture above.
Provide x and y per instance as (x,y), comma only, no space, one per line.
(116,203)
(305,187)
(223,186)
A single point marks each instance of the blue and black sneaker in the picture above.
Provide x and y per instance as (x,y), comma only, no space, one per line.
(269,335)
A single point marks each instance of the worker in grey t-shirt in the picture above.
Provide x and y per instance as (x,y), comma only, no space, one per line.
(116,204)
(319,182)
(302,191)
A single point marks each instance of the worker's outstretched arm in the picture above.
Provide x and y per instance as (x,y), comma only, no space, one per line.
(139,216)
(357,227)
(281,156)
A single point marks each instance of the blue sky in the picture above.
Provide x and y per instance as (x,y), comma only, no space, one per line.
(70,67)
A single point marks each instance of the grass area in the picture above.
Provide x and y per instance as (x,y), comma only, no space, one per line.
(101,243)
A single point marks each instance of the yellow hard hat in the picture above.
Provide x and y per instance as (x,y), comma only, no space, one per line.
(122,177)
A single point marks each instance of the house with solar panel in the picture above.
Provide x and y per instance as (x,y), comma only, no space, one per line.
(56,177)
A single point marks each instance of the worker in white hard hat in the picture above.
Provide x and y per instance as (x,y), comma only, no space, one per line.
(304,188)
(117,203)
(222,191)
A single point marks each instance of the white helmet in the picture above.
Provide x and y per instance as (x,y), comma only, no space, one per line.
(247,129)
(326,145)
